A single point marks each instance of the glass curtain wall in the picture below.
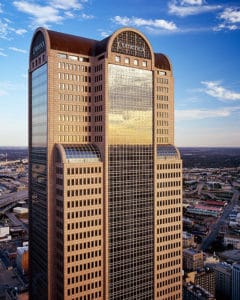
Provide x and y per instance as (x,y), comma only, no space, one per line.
(38,185)
(131,235)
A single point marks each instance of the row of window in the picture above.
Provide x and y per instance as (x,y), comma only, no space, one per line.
(127,61)
(75,247)
(81,181)
(84,203)
(84,267)
(168,211)
(83,214)
(83,235)
(162,97)
(91,296)
(72,57)
(98,68)
(162,89)
(98,98)
(74,128)
(169,255)
(74,118)
(74,77)
(162,131)
(169,237)
(74,87)
(170,166)
(74,67)
(165,202)
(162,80)
(168,220)
(169,263)
(81,256)
(168,291)
(168,184)
(85,170)
(162,123)
(98,78)
(76,98)
(162,140)
(76,108)
(74,138)
(168,193)
(84,224)
(85,277)
(168,175)
(167,282)
(162,106)
(172,297)
(161,73)
(162,114)
(38,61)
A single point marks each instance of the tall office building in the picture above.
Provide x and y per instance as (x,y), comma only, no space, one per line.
(235,281)
(105,176)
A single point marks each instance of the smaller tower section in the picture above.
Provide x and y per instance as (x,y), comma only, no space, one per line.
(79,222)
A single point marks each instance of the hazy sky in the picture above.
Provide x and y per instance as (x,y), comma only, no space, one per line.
(201,38)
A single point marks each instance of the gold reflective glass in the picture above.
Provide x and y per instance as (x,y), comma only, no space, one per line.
(130,106)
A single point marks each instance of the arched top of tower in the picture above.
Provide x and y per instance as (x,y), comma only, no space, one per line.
(60,41)
(162,62)
(127,41)
(131,42)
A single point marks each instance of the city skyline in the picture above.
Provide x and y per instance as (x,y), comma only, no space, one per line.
(200,38)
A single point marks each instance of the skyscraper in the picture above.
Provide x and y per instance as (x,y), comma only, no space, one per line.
(236,281)
(105,176)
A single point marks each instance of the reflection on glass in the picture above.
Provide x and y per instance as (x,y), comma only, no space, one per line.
(130,184)
(38,183)
(130,105)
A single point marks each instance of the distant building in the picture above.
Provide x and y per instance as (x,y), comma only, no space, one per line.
(236,282)
(223,278)
(5,233)
(230,256)
(188,240)
(22,259)
(232,240)
(193,292)
(204,278)
(192,260)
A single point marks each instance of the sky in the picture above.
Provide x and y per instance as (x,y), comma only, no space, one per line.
(200,37)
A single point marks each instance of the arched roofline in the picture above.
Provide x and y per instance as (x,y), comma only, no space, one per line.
(61,152)
(119,31)
(162,61)
(46,39)
(167,150)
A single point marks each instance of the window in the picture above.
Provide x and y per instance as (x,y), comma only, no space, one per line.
(62,55)
(73,57)
(117,59)
(127,60)
(144,63)
(135,62)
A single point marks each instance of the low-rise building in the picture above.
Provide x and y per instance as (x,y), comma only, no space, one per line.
(192,260)
(233,240)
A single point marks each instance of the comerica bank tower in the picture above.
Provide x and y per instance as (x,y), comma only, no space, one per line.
(105,177)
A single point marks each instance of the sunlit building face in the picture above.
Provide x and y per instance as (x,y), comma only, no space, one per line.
(105,176)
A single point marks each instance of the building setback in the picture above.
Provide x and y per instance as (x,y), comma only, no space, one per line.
(105,176)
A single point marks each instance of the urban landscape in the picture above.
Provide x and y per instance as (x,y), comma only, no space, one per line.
(211,223)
